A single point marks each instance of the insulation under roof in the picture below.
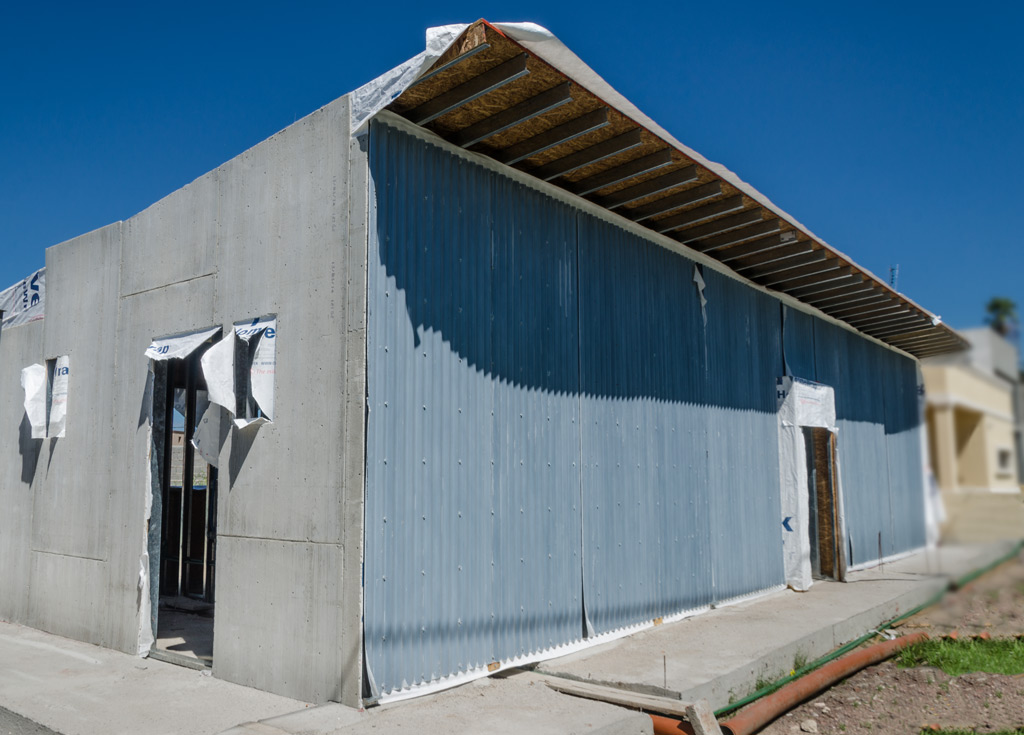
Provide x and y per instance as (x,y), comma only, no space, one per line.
(492,94)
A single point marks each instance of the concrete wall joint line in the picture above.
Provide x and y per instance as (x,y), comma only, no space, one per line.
(167,285)
(69,556)
(307,542)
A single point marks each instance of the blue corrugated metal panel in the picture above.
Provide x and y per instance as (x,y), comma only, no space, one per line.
(551,420)
(798,343)
(744,361)
(903,439)
(680,443)
(472,489)
(879,441)
(646,516)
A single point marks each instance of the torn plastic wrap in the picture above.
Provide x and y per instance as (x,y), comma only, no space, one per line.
(219,370)
(218,365)
(206,437)
(801,404)
(180,345)
(59,397)
(374,96)
(698,279)
(33,380)
(261,337)
(264,367)
(23,302)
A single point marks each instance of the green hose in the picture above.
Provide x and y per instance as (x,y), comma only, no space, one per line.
(842,650)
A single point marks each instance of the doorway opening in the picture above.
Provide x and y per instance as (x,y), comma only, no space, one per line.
(186,568)
(823,515)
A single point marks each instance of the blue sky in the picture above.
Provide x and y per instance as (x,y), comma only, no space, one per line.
(895,131)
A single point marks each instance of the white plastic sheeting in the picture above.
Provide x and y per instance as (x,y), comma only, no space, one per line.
(178,346)
(374,96)
(264,361)
(801,404)
(219,370)
(33,380)
(23,302)
(59,397)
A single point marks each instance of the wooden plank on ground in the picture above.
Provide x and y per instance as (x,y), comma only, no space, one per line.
(621,697)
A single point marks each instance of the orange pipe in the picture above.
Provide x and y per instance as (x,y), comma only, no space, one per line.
(766,709)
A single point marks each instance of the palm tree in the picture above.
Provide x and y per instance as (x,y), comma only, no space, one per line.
(1002,315)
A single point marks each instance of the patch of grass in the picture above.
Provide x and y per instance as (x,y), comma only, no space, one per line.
(956,657)
(799,660)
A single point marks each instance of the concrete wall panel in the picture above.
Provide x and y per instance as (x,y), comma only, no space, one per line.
(67,598)
(283,223)
(19,462)
(276,617)
(173,240)
(180,307)
(70,513)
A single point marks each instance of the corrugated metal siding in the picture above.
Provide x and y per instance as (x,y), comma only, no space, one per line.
(879,441)
(744,348)
(798,343)
(646,518)
(472,490)
(551,421)
(903,439)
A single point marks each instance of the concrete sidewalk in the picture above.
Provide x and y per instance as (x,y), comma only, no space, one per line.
(79,689)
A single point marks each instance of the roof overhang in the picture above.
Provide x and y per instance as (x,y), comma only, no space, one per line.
(493,94)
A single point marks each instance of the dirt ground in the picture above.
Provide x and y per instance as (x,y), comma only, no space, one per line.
(887,699)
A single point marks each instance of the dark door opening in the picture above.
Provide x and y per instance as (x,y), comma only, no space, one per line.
(823,518)
(188,519)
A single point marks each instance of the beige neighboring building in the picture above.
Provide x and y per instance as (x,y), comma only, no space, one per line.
(974,434)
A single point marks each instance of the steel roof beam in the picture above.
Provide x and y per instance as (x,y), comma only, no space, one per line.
(445,67)
(832,272)
(863,310)
(587,123)
(591,154)
(674,201)
(765,256)
(700,214)
(470,90)
(629,170)
(735,237)
(650,187)
(756,246)
(796,261)
(807,270)
(718,226)
(896,331)
(822,288)
(499,122)
(868,296)
(885,320)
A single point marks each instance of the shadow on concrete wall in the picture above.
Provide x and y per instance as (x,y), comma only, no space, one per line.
(29,449)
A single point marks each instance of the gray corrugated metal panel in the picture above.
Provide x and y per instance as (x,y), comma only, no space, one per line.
(798,342)
(879,441)
(534,337)
(903,441)
(863,467)
(681,494)
(472,518)
(646,525)
(744,361)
